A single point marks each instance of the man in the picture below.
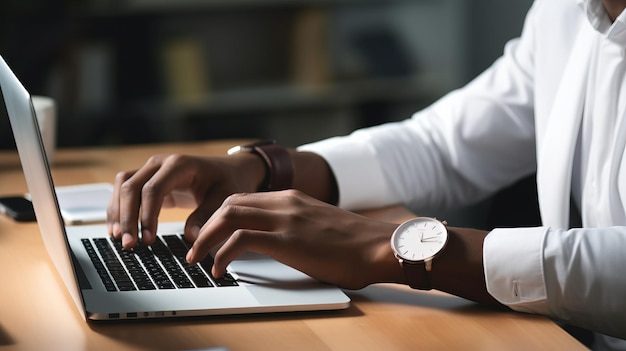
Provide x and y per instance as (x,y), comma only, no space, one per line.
(553,104)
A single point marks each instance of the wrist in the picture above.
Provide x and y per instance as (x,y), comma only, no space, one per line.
(278,165)
(386,268)
(251,171)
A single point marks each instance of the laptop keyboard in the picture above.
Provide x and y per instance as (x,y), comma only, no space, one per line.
(161,265)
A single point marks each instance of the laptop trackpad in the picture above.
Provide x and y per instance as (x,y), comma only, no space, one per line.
(268,272)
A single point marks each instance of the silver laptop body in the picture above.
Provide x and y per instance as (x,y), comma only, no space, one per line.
(255,284)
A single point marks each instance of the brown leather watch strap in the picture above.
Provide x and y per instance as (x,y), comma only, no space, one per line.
(416,275)
(278,164)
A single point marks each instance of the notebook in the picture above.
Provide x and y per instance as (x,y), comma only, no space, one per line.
(107,283)
(83,203)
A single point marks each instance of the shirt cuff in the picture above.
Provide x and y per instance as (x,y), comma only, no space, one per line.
(359,176)
(513,262)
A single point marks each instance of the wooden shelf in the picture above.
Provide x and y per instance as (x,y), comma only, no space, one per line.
(288,96)
(166,5)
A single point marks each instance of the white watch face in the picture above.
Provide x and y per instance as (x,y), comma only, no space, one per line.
(419,239)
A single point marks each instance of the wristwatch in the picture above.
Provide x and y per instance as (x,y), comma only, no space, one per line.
(415,244)
(278,164)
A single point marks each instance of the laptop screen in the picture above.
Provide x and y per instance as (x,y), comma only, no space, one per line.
(32,155)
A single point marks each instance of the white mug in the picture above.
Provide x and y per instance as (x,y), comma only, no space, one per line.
(45,110)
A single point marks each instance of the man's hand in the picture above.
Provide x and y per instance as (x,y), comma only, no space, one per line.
(177,180)
(321,240)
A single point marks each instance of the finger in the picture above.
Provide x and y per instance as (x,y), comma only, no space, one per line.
(183,198)
(198,218)
(173,173)
(204,211)
(130,201)
(273,200)
(113,209)
(244,240)
(226,220)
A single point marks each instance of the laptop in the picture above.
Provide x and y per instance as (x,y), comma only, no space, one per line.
(108,283)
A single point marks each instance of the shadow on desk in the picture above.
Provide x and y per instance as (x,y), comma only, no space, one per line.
(400,295)
(389,294)
(5,338)
(197,332)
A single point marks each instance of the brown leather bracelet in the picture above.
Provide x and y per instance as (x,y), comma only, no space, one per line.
(279,167)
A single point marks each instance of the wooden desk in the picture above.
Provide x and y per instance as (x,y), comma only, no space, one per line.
(36,312)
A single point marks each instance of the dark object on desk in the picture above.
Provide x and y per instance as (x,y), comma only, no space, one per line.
(18,208)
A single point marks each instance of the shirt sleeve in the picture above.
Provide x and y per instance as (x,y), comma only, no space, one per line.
(436,160)
(514,268)
(356,168)
(574,276)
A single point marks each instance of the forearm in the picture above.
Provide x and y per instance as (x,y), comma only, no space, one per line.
(458,270)
(313,176)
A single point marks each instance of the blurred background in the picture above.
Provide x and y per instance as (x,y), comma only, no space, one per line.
(150,71)
(140,71)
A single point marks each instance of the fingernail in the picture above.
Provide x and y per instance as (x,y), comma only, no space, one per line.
(189,255)
(116,229)
(127,240)
(146,235)
(215,273)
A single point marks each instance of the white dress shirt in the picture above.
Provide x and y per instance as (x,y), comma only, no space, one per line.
(554,103)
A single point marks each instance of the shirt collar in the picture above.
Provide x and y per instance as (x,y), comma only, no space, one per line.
(599,19)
